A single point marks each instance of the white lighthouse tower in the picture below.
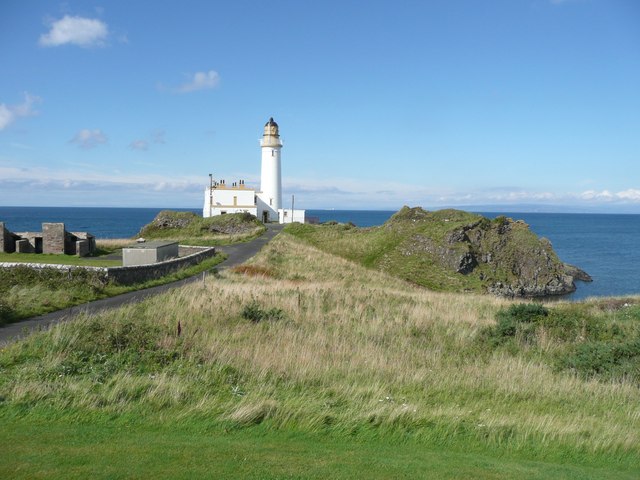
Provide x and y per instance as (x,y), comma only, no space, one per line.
(270,178)
(221,198)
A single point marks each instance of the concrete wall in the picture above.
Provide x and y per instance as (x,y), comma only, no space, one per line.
(285,215)
(150,252)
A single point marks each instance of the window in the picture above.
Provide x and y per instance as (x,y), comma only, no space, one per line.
(273,152)
(271,201)
(235,200)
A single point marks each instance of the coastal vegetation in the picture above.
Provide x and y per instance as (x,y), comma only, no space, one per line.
(27,292)
(191,229)
(451,250)
(303,364)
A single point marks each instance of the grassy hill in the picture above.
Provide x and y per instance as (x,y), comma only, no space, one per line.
(302,364)
(192,229)
(450,250)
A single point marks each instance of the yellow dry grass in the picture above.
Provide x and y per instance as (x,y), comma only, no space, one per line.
(357,350)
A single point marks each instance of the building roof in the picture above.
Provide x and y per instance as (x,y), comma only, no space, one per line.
(151,245)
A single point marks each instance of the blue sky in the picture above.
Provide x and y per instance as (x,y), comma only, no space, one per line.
(380,103)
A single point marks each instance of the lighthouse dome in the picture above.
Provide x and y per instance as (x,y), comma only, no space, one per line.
(271,128)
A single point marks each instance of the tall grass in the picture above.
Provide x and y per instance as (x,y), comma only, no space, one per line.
(353,352)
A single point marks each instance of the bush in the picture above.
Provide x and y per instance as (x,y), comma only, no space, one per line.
(604,359)
(6,313)
(254,312)
(519,319)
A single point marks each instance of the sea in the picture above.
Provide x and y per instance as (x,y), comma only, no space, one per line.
(604,245)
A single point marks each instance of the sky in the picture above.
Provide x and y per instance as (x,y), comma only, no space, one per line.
(380,103)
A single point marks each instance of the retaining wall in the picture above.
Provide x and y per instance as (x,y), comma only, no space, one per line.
(131,274)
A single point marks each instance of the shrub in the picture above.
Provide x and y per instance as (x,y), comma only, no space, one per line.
(6,313)
(500,220)
(254,312)
(605,359)
(518,319)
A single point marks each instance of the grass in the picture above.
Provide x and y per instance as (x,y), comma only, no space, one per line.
(151,451)
(191,229)
(60,259)
(103,248)
(356,373)
(26,293)
(446,250)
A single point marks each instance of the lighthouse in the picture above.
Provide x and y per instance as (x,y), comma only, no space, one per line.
(221,198)
(270,178)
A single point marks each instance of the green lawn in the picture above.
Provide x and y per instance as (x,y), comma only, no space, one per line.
(58,259)
(56,449)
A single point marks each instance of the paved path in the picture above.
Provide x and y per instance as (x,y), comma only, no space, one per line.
(236,254)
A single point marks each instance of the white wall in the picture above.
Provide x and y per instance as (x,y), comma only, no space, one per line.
(270,179)
(229,200)
(285,216)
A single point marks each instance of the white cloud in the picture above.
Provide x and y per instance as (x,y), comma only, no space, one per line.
(9,113)
(71,184)
(139,145)
(200,81)
(84,32)
(630,195)
(86,138)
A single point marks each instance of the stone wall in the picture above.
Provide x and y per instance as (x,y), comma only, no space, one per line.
(24,246)
(83,248)
(143,273)
(133,274)
(53,238)
(7,240)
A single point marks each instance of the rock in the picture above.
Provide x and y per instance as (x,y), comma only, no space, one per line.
(577,273)
(504,254)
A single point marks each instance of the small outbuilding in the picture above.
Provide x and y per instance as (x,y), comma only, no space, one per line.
(146,253)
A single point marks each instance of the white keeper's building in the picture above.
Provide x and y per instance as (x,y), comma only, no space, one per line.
(266,204)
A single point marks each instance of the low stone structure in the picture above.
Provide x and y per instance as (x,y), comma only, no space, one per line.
(146,253)
(7,239)
(54,238)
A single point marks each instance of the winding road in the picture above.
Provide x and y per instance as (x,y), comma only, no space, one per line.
(236,254)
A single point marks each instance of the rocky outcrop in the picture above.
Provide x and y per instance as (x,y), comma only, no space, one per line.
(236,224)
(168,219)
(171,224)
(503,253)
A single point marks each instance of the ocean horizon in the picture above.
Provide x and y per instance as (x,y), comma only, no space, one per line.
(602,244)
